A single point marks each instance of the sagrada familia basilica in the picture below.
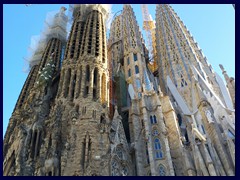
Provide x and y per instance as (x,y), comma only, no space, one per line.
(93,106)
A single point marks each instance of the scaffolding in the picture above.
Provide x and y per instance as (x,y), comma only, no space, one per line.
(55,27)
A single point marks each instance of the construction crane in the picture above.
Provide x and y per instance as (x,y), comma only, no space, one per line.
(149,26)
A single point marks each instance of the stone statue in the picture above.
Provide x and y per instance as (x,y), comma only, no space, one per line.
(51,166)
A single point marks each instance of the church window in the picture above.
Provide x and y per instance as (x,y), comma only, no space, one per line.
(136,69)
(125,171)
(115,168)
(158,149)
(157,144)
(80,82)
(162,170)
(153,119)
(102,118)
(139,95)
(86,91)
(95,78)
(180,75)
(73,86)
(142,123)
(119,152)
(155,132)
(129,73)
(135,57)
(68,76)
(128,61)
(186,137)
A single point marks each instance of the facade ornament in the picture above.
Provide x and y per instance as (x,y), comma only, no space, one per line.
(209,116)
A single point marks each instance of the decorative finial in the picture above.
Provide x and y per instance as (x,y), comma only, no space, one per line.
(221,66)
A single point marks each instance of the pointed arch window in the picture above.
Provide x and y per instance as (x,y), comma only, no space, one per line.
(79,82)
(115,168)
(136,69)
(151,119)
(135,57)
(162,170)
(119,152)
(125,171)
(158,149)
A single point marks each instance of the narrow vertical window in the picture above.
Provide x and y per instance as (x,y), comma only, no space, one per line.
(128,61)
(87,79)
(151,119)
(158,149)
(95,77)
(80,82)
(129,73)
(68,76)
(136,69)
(135,57)
(154,119)
(73,86)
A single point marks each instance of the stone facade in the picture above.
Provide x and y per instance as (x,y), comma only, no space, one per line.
(103,112)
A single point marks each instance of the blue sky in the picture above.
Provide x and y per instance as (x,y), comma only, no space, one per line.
(212,26)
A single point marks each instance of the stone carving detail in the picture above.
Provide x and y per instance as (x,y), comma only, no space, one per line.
(51,166)
(209,116)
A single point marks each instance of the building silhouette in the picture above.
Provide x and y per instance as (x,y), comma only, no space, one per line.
(96,107)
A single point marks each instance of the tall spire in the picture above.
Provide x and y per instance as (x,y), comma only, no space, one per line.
(230,84)
(147,82)
(224,72)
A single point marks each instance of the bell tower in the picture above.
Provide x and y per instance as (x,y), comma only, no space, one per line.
(83,94)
